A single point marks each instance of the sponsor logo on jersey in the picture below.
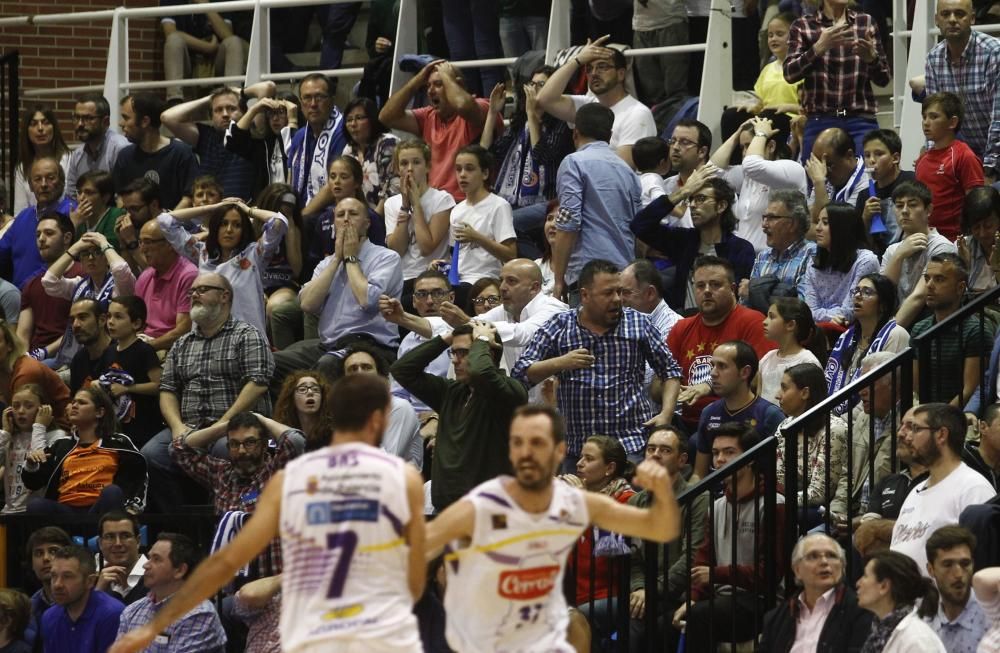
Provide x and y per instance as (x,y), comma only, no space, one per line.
(312,485)
(499,521)
(332,512)
(526,584)
(345,612)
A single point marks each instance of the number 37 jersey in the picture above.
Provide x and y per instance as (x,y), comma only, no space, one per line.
(505,588)
(345,559)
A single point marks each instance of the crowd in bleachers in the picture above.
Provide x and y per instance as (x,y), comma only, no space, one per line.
(180,290)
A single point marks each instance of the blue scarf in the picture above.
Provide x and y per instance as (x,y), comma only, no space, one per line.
(309,169)
(837,368)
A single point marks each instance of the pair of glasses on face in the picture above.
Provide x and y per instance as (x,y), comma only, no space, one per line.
(308,390)
(864,292)
(492,300)
(436,294)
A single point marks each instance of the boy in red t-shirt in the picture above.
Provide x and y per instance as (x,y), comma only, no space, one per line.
(949,168)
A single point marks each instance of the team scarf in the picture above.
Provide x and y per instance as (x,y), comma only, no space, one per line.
(520,178)
(837,368)
(330,143)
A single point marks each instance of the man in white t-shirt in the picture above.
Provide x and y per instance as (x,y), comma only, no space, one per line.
(606,70)
(936,439)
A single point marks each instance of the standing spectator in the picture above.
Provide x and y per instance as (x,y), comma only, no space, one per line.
(959,621)
(83,619)
(41,549)
(27,427)
(374,146)
(690,149)
(319,141)
(981,223)
(99,144)
(836,172)
(163,286)
(95,209)
(42,320)
(304,404)
(40,137)
(121,569)
(598,341)
(662,78)
(786,259)
(642,290)
(774,93)
(18,368)
(210,37)
(790,325)
(890,588)
(524,26)
(472,30)
(882,149)
(15,615)
(598,226)
(838,52)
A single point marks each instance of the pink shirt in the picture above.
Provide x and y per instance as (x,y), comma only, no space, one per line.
(166,295)
(810,623)
(446,138)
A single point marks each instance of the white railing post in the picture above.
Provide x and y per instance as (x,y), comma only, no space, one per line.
(117,72)
(560,37)
(920,44)
(717,73)
(259,55)
(407,42)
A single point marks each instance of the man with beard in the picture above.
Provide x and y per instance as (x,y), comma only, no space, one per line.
(598,352)
(40,550)
(505,577)
(959,621)
(937,438)
(121,570)
(690,149)
(89,320)
(348,506)
(99,145)
(219,369)
(43,319)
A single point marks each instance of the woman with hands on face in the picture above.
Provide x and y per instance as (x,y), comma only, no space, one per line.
(105,273)
(26,431)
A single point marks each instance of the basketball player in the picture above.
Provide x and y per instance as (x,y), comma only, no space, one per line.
(513,537)
(352,535)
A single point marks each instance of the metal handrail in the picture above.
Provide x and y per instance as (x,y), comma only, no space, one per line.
(987,297)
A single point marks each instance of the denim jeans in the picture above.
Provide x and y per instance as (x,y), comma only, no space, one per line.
(472,28)
(856,126)
(336,20)
(520,34)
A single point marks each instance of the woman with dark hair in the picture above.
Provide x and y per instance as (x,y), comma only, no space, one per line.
(281,278)
(874,329)
(842,258)
(789,323)
(981,223)
(373,145)
(40,136)
(231,249)
(484,295)
(544,262)
(95,471)
(304,404)
(890,588)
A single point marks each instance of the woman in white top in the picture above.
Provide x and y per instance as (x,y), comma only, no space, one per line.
(890,588)
(789,323)
(231,249)
(545,262)
(40,136)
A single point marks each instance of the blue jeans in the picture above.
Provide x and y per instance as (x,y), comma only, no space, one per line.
(336,21)
(856,126)
(111,498)
(520,34)
(472,29)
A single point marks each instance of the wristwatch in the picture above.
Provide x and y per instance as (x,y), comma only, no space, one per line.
(351,259)
(484,339)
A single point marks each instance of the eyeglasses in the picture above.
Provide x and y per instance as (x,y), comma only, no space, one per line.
(773,217)
(492,300)
(436,294)
(917,428)
(700,199)
(458,353)
(864,291)
(146,242)
(248,444)
(201,290)
(602,67)
(49,178)
(682,143)
(92,254)
(315,99)
(117,537)
(84,118)
(816,556)
(308,390)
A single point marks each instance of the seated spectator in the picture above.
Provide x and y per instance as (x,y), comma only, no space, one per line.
(949,168)
(122,564)
(824,613)
(209,36)
(937,439)
(17,368)
(984,456)
(873,330)
(484,296)
(780,268)
(89,319)
(231,250)
(163,287)
(889,493)
(171,163)
(172,558)
(711,209)
(904,262)
(95,471)
(836,171)
(316,143)
(284,271)
(980,223)
(986,583)
(83,619)
(130,371)
(95,210)
(19,255)
(15,615)
(40,138)
(958,621)
(263,133)
(744,495)
(766,165)
(652,161)
(141,200)
(841,260)
(882,149)
(27,427)
(304,404)
(99,144)
(790,325)
(374,147)
(890,589)
(41,549)
(258,604)
(10,302)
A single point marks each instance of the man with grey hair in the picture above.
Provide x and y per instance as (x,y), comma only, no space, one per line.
(99,145)
(788,254)
(824,615)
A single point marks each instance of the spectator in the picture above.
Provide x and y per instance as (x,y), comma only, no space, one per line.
(577,346)
(304,404)
(986,583)
(217,370)
(549,233)
(651,155)
(472,30)
(163,287)
(18,368)
(41,549)
(719,319)
(949,168)
(258,604)
(122,565)
(170,164)
(40,138)
(95,209)
(89,319)
(773,92)
(690,149)
(662,78)
(889,493)
(789,323)
(374,147)
(975,81)
(904,262)
(606,70)
(524,26)
(712,234)
(484,296)
(27,427)
(824,613)
(18,257)
(474,409)
(980,223)
(171,560)
(961,349)
(890,588)
(231,250)
(746,571)
(209,36)
(99,145)
(958,621)
(316,143)
(780,269)
(837,78)
(872,330)
(454,118)
(281,277)
(734,367)
(642,290)
(10,301)
(597,227)
(951,487)
(15,615)
(835,171)
(83,620)
(841,260)
(261,136)
(141,200)
(882,149)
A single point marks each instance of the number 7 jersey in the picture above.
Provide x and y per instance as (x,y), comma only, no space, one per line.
(504,591)
(345,572)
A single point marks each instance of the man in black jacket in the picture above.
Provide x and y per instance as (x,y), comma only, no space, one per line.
(824,616)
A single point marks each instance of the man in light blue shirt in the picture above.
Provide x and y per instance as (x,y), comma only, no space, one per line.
(959,621)
(99,145)
(598,195)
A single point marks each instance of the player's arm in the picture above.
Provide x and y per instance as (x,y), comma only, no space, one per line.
(660,523)
(214,572)
(456,522)
(414,532)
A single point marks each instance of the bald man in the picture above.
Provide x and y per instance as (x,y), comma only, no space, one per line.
(164,286)
(836,171)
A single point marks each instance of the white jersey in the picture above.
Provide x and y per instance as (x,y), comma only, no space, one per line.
(505,588)
(345,560)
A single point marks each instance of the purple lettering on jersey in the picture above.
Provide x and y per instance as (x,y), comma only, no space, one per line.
(346,541)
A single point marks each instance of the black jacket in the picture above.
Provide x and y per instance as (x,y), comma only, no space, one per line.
(845,631)
(131,475)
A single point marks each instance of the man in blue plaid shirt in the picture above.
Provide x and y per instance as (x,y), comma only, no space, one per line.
(599,353)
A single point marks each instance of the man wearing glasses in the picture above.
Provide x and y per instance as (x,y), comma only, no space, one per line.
(788,254)
(99,145)
(120,562)
(319,141)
